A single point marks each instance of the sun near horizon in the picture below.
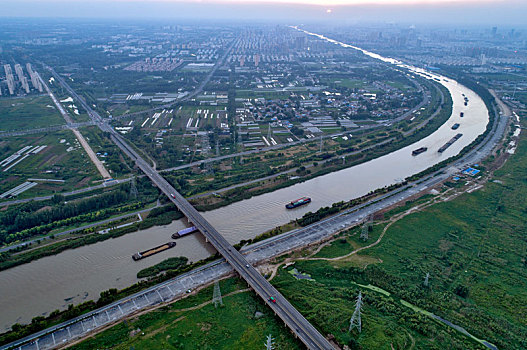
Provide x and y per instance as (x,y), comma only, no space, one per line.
(333,2)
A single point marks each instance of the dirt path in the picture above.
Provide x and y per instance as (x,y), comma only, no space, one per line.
(147,310)
(98,164)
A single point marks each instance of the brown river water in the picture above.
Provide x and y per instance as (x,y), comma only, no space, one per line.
(76,275)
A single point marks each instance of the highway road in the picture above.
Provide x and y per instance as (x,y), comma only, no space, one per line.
(304,330)
(175,288)
(296,322)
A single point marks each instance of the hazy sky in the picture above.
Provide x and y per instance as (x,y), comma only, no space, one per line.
(480,12)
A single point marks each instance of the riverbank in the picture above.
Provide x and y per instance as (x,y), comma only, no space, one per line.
(384,312)
(252,217)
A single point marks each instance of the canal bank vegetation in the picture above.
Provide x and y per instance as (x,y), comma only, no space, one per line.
(39,323)
(291,166)
(43,221)
(177,265)
(242,322)
(473,249)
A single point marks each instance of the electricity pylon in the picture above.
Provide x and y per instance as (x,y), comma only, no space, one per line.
(355,320)
(269,344)
(216,295)
(425,283)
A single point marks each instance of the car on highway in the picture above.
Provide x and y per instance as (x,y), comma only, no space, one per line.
(272,300)
(173,195)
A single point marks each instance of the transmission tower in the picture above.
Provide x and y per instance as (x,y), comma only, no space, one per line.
(269,344)
(355,320)
(133,189)
(364,235)
(321,143)
(216,295)
(425,283)
(269,133)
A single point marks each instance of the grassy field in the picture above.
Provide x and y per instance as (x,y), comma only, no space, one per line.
(474,248)
(194,323)
(28,113)
(62,159)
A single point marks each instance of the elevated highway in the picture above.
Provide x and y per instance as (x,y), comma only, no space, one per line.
(296,322)
(302,329)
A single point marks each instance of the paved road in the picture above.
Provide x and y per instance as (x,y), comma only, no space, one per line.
(274,246)
(296,322)
(98,223)
(69,193)
(193,94)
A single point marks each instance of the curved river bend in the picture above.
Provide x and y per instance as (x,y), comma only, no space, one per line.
(81,274)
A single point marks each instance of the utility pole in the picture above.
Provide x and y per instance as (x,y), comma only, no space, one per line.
(216,295)
(320,143)
(355,320)
(426,283)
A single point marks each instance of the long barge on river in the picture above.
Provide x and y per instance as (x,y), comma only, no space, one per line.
(149,252)
(298,202)
(418,151)
(184,232)
(449,143)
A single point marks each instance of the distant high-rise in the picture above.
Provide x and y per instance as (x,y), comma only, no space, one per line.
(10,79)
(494,31)
(300,42)
(256,60)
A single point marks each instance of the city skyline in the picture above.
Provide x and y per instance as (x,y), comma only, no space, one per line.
(465,12)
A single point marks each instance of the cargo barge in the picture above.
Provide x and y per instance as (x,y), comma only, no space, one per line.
(418,151)
(149,252)
(455,126)
(298,202)
(449,143)
(184,232)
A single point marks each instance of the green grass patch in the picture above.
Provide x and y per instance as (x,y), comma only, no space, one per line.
(28,113)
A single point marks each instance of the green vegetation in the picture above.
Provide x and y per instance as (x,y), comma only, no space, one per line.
(173,264)
(194,323)
(157,216)
(63,159)
(35,218)
(476,260)
(106,297)
(28,113)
